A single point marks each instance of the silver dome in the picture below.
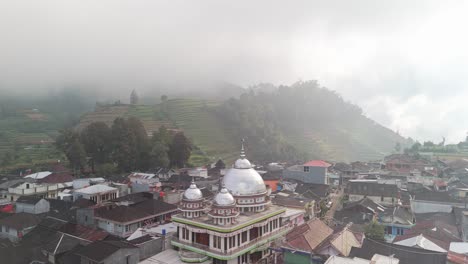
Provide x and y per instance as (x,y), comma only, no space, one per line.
(193,193)
(224,198)
(244,182)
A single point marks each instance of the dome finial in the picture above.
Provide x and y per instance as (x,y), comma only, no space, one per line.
(242,154)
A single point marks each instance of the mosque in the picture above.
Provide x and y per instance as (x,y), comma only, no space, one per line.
(237,226)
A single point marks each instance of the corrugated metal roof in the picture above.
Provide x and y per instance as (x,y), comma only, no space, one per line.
(38,175)
(98,188)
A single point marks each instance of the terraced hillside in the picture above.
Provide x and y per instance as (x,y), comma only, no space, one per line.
(211,138)
(148,114)
(214,138)
(364,141)
(27,137)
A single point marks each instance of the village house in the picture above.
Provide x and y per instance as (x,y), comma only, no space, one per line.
(15,226)
(385,194)
(314,171)
(59,174)
(314,240)
(427,201)
(396,220)
(429,235)
(24,188)
(144,182)
(408,164)
(293,201)
(98,193)
(360,212)
(376,259)
(124,219)
(404,254)
(108,252)
(32,205)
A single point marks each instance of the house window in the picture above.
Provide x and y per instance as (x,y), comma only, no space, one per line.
(400,231)
(381,198)
(306,169)
(27,186)
(127,228)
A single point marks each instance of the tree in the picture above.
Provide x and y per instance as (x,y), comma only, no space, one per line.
(416,147)
(134,98)
(97,141)
(429,144)
(220,164)
(375,231)
(76,155)
(7,159)
(123,144)
(397,147)
(163,98)
(65,139)
(163,135)
(159,156)
(179,150)
(142,143)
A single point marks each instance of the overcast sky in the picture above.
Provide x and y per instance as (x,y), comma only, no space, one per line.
(404,62)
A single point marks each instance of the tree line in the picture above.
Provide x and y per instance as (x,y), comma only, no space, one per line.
(125,147)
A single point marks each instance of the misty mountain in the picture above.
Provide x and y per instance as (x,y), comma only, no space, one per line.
(292,123)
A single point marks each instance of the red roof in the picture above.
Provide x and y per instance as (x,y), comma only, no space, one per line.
(57,177)
(317,163)
(457,258)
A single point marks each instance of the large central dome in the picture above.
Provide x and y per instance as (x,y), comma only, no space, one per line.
(243,180)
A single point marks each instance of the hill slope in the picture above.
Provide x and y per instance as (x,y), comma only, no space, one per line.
(215,137)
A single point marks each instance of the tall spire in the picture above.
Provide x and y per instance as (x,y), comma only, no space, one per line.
(242,154)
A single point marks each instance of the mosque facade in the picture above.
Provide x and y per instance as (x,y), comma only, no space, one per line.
(236,226)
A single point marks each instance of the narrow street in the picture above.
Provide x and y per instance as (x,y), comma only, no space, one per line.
(335,198)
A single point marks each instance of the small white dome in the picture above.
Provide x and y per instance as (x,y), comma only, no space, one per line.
(224,198)
(193,193)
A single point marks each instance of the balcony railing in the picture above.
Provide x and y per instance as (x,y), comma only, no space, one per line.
(255,242)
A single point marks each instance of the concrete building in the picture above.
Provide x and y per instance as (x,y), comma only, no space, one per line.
(34,189)
(314,171)
(123,220)
(98,193)
(238,227)
(32,205)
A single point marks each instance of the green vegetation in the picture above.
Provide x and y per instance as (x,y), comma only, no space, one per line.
(307,121)
(293,123)
(29,126)
(124,147)
(375,231)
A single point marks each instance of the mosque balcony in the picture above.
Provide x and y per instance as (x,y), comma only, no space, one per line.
(192,257)
(227,254)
